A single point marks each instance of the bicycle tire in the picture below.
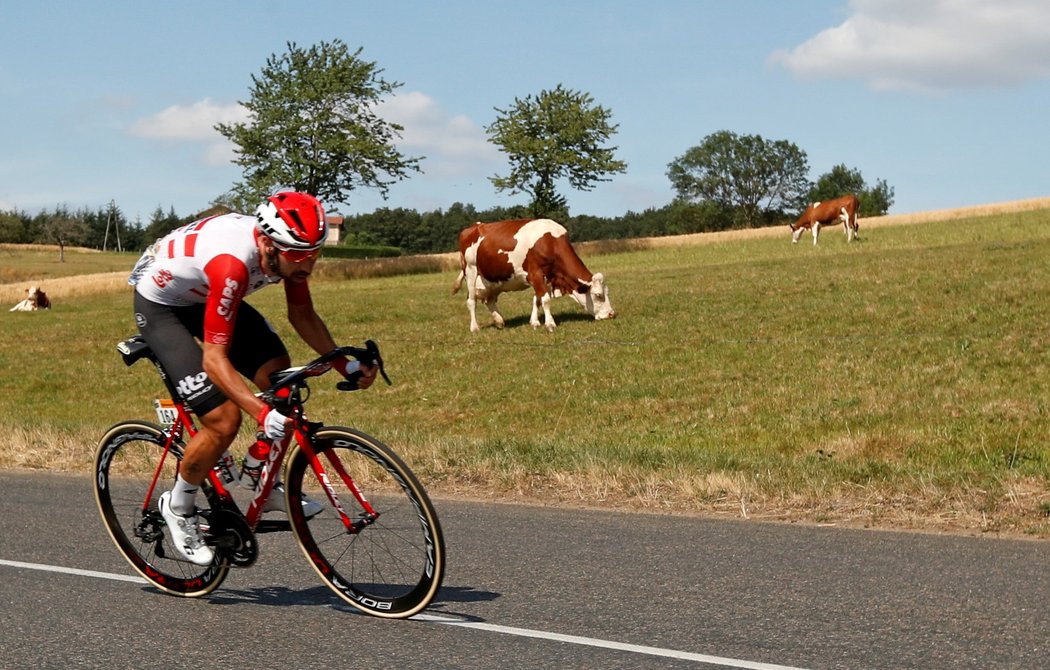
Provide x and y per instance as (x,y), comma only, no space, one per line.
(391,568)
(127,456)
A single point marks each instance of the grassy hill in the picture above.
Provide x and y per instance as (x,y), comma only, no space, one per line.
(901,381)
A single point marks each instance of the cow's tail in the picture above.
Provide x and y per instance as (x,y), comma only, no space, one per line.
(462,272)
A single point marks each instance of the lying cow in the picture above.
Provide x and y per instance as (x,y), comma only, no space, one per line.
(514,255)
(35,299)
(818,214)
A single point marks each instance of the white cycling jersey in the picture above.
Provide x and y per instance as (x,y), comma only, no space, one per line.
(214,261)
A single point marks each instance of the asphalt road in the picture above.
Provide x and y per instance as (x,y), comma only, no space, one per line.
(530,587)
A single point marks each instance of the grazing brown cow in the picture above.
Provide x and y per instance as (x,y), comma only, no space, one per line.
(35,299)
(842,209)
(514,255)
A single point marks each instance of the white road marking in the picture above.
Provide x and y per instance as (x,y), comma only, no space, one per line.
(476,625)
(74,571)
(605,644)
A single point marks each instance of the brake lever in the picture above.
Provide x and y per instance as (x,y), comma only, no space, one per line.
(350,383)
(373,349)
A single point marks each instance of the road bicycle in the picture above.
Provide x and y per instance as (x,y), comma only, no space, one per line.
(382,553)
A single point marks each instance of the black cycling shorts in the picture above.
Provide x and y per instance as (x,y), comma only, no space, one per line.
(173,334)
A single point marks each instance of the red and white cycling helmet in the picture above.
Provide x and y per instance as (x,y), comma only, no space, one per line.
(294,221)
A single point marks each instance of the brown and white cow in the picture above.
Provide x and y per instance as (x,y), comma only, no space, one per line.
(35,299)
(515,255)
(818,214)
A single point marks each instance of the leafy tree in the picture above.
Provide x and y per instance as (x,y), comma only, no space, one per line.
(385,226)
(842,180)
(877,200)
(314,128)
(838,182)
(557,134)
(12,228)
(753,176)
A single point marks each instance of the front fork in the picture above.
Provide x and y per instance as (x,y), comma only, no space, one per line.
(368,516)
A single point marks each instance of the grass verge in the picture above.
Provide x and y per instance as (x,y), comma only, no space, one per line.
(896,382)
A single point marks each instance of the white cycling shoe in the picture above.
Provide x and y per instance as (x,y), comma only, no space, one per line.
(275,503)
(186,533)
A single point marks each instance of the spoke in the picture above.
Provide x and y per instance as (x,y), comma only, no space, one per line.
(393,565)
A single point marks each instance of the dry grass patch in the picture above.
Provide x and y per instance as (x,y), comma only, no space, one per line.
(12,288)
(45,448)
(61,288)
(724,236)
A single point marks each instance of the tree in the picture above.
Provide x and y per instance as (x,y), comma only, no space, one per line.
(842,180)
(12,227)
(314,128)
(160,224)
(556,134)
(745,173)
(63,229)
(877,201)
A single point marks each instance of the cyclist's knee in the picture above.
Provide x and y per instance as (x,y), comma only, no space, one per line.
(223,422)
(262,375)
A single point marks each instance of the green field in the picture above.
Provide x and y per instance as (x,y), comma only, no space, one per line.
(25,263)
(901,381)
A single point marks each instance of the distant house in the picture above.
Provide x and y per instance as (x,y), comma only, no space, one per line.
(335,228)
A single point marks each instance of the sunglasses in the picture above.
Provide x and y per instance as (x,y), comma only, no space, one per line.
(298,255)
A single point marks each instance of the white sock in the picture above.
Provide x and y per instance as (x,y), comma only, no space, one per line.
(183,495)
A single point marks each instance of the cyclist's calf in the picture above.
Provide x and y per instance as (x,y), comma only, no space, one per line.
(218,429)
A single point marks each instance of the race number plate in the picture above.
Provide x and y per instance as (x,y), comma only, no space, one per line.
(166,412)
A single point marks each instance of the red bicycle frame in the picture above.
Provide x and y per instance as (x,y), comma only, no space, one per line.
(183,423)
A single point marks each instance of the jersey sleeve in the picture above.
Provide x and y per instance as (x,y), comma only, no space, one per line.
(227,285)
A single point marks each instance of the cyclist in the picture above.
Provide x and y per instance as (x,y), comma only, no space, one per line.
(191,286)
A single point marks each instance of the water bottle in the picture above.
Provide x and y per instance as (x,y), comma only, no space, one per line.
(227,468)
(251,466)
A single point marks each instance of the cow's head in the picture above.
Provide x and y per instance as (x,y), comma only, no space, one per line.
(593,296)
(42,301)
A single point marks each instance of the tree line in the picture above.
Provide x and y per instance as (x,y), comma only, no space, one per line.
(106,228)
(313,126)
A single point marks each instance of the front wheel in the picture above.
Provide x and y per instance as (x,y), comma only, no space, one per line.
(132,468)
(389,566)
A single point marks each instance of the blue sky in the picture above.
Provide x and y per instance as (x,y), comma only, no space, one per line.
(947,100)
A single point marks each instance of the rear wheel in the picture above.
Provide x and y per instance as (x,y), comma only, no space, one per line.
(390,565)
(128,457)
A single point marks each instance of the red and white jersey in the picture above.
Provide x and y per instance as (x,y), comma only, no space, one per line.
(214,261)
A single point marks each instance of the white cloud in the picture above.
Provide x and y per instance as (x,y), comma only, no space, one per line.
(195,123)
(932,45)
(220,153)
(453,145)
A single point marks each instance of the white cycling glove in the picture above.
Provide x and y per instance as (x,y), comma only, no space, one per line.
(272,423)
